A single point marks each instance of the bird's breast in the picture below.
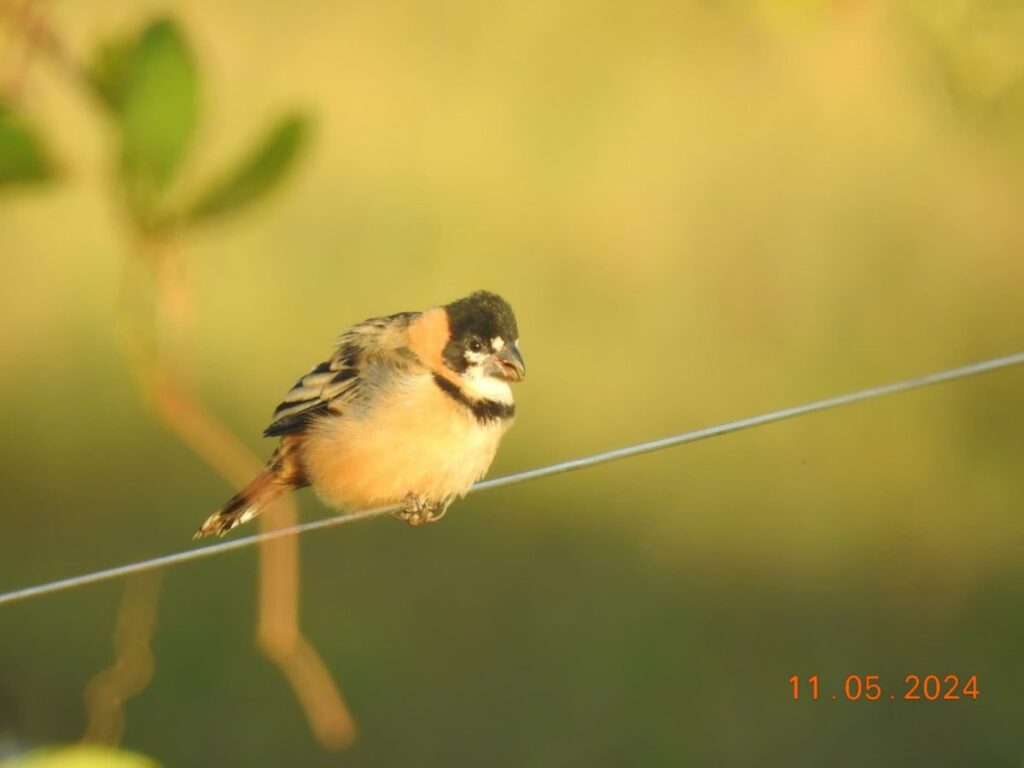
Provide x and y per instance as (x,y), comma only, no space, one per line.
(413,439)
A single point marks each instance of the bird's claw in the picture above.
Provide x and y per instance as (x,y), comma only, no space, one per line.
(419,511)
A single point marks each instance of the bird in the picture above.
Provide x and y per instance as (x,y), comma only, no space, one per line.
(409,410)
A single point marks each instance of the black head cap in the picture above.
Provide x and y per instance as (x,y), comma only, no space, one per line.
(479,317)
(482,314)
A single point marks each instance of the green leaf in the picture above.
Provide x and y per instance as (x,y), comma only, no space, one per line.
(159,109)
(79,757)
(257,174)
(111,63)
(22,157)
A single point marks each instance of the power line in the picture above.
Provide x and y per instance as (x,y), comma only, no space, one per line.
(870,393)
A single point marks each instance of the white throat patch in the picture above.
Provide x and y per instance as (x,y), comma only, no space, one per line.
(480,387)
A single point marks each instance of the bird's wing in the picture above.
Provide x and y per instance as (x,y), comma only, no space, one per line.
(366,352)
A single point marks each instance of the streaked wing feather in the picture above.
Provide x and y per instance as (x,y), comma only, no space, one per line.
(298,421)
(330,385)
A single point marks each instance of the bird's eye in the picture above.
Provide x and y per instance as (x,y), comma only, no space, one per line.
(475,345)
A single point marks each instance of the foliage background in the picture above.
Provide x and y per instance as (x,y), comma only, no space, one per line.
(700,211)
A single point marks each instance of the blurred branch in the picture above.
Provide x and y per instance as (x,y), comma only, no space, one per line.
(132,670)
(142,81)
(28,20)
(20,56)
(176,404)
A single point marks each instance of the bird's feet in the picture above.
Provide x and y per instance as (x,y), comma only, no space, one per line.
(418,510)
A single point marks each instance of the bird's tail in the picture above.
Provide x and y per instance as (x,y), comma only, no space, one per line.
(280,475)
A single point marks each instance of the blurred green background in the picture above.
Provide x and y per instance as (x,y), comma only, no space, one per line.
(700,211)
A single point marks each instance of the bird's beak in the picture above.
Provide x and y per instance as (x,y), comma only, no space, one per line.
(508,364)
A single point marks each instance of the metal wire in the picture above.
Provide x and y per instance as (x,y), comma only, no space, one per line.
(520,477)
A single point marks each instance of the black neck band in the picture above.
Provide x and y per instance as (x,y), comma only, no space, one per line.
(484,410)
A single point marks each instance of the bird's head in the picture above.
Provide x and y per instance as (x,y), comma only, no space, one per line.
(483,339)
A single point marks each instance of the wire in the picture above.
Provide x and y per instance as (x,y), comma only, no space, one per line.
(572,465)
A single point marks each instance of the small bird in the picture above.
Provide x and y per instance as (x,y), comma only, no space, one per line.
(409,410)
